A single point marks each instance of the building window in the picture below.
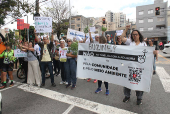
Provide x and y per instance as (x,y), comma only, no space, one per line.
(150,20)
(161,19)
(141,21)
(73,26)
(141,12)
(150,11)
(141,29)
(78,19)
(78,25)
(151,28)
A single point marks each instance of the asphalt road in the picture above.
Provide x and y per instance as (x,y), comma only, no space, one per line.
(24,99)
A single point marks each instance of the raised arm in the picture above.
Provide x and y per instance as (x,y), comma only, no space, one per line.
(91,39)
(27,48)
(124,34)
(114,38)
(36,37)
(52,36)
(3,38)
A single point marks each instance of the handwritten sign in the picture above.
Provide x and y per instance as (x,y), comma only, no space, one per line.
(43,24)
(119,32)
(19,53)
(20,24)
(92,29)
(26,25)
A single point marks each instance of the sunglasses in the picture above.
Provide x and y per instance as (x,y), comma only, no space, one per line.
(68,41)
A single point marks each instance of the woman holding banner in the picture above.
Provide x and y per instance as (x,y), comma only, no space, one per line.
(136,40)
(102,40)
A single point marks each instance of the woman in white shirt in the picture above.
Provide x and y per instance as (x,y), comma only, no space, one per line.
(135,40)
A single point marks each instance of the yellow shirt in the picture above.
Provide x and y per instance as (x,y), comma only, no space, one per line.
(46,54)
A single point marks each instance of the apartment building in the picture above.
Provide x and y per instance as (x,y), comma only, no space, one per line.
(80,22)
(152,25)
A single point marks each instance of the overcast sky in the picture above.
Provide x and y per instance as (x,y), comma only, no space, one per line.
(96,8)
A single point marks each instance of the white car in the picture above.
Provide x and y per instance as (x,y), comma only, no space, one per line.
(166,49)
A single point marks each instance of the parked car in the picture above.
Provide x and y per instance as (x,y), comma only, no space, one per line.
(166,49)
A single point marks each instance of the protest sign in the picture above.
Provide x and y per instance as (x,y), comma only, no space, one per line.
(73,33)
(43,24)
(62,53)
(128,66)
(20,24)
(19,53)
(119,32)
(6,30)
(92,29)
(26,25)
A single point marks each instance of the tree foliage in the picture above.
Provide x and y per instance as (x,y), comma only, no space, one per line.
(14,8)
(59,13)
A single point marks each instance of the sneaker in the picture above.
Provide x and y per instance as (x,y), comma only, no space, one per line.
(89,79)
(107,92)
(68,85)
(61,82)
(139,102)
(154,72)
(126,99)
(73,86)
(3,86)
(53,84)
(95,81)
(98,90)
(42,85)
(11,84)
(7,80)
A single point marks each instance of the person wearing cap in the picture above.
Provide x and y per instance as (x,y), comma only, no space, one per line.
(109,41)
(2,49)
(56,62)
(8,61)
(46,57)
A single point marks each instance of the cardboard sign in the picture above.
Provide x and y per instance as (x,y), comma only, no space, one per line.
(92,29)
(119,32)
(43,24)
(20,24)
(19,53)
(26,25)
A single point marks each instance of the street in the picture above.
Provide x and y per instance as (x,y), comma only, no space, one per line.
(25,99)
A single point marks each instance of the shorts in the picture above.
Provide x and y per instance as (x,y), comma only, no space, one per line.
(1,63)
(7,67)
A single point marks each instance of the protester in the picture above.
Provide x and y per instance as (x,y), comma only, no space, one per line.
(119,41)
(2,49)
(102,40)
(161,46)
(46,57)
(136,40)
(25,64)
(93,41)
(155,56)
(34,73)
(8,61)
(71,67)
(37,49)
(62,62)
(56,62)
(109,41)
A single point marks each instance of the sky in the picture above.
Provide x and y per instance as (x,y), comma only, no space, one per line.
(95,8)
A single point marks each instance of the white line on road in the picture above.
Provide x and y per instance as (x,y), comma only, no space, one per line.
(75,101)
(8,88)
(69,109)
(164,77)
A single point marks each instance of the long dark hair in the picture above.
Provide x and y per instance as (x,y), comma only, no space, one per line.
(32,43)
(140,36)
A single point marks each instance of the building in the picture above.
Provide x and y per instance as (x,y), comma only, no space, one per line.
(80,22)
(118,18)
(168,24)
(152,25)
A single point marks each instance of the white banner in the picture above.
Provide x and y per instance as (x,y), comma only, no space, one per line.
(43,24)
(19,53)
(73,33)
(128,66)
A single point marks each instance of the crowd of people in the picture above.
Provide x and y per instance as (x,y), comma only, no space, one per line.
(47,54)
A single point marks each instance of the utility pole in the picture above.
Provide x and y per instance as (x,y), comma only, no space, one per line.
(70,13)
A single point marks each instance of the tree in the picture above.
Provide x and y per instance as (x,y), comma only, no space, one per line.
(59,13)
(13,8)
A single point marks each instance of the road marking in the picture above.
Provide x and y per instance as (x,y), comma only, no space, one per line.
(164,77)
(8,88)
(162,62)
(78,102)
(164,57)
(69,109)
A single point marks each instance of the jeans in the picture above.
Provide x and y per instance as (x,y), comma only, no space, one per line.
(71,67)
(154,65)
(127,91)
(43,70)
(56,64)
(25,67)
(105,83)
(63,74)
